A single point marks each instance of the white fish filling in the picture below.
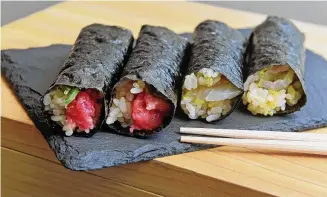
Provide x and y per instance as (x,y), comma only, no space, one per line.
(121,107)
(207,95)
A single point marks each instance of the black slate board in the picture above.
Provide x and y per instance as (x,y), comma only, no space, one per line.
(31,71)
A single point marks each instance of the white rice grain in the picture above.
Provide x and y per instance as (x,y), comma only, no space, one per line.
(136,90)
(201,81)
(212,117)
(210,72)
(190,82)
(253,86)
(122,104)
(193,117)
(226,109)
(270,97)
(58,101)
(248,82)
(111,120)
(56,112)
(216,110)
(116,102)
(56,118)
(114,111)
(191,109)
(47,99)
(69,132)
(67,127)
(283,107)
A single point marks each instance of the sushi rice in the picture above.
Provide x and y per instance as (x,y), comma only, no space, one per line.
(208,95)
(56,101)
(271,90)
(121,108)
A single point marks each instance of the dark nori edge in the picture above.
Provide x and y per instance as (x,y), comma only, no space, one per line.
(277,41)
(221,48)
(158,59)
(95,61)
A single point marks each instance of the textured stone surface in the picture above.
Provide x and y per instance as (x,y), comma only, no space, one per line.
(31,71)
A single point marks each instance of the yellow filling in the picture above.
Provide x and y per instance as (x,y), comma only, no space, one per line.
(268,101)
(196,105)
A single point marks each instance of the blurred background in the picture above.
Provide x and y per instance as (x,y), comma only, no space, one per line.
(313,12)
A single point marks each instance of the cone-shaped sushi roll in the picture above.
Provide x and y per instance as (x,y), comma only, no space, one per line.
(214,82)
(275,69)
(145,98)
(75,101)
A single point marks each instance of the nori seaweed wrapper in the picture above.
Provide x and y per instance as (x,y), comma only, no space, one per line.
(96,61)
(157,59)
(277,41)
(221,48)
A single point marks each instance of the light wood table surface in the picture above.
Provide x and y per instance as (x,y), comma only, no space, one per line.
(30,168)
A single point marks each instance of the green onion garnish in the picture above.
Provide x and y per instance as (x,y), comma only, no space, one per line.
(66,91)
(71,96)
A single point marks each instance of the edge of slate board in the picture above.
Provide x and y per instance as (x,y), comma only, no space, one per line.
(107,149)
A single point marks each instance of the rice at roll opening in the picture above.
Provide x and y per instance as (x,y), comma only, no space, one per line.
(136,105)
(208,95)
(272,90)
(75,110)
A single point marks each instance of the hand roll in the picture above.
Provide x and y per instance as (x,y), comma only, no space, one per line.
(214,79)
(145,98)
(75,101)
(275,68)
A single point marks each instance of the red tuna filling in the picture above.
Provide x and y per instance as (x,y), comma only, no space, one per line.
(148,112)
(84,110)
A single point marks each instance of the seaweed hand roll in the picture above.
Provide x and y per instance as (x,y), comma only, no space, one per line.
(73,108)
(145,98)
(75,101)
(214,80)
(275,67)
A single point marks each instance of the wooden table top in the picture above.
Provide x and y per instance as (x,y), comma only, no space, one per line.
(30,167)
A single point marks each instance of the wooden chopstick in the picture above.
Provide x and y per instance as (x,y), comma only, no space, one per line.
(319,148)
(251,134)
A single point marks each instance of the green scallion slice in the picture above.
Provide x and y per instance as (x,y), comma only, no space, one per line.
(66,91)
(71,96)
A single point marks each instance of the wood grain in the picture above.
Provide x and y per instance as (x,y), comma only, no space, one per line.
(223,171)
(25,175)
(151,176)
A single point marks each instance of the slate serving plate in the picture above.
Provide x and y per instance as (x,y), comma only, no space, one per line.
(31,71)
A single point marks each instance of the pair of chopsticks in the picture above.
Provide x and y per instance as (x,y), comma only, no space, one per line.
(310,143)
